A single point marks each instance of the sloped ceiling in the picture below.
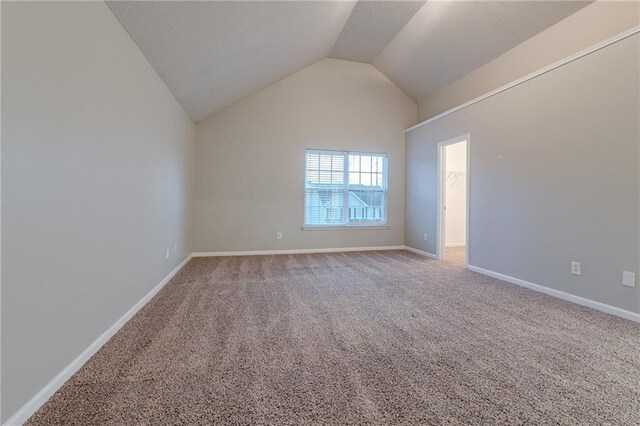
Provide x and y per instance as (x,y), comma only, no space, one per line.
(213,54)
(446,40)
(371,26)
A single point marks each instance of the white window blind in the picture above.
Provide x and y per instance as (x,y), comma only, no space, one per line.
(345,188)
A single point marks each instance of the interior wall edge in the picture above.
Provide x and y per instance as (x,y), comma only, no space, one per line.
(421,252)
(619,37)
(569,297)
(28,409)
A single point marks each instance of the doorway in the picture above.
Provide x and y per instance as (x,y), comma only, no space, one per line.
(453,211)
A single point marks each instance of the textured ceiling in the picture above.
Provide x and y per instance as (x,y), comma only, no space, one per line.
(446,40)
(212,54)
(371,26)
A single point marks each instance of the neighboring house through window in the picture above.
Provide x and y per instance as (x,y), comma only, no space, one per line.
(345,189)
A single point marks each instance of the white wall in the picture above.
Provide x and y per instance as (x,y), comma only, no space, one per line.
(97,162)
(250,157)
(456,194)
(588,26)
(555,177)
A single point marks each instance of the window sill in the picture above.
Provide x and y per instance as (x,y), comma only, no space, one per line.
(342,227)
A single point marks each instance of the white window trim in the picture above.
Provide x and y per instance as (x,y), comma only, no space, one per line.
(349,225)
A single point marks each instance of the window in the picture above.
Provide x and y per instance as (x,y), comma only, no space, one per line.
(345,189)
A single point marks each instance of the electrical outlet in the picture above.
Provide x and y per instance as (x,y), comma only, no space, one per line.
(279,235)
(425,236)
(167,252)
(628,279)
(576,268)
(175,247)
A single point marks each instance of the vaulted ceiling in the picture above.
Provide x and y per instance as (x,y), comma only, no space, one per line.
(212,54)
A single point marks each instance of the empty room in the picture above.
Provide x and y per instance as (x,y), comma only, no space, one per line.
(320,212)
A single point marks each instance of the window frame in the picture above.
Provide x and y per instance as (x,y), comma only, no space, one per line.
(382,224)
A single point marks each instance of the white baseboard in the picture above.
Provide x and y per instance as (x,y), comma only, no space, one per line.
(45,393)
(27,410)
(421,253)
(603,307)
(455,245)
(293,251)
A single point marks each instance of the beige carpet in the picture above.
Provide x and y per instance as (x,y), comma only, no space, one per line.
(375,337)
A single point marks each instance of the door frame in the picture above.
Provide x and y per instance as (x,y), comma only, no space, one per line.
(442,193)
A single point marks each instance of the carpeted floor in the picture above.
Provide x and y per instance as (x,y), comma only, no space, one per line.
(372,337)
